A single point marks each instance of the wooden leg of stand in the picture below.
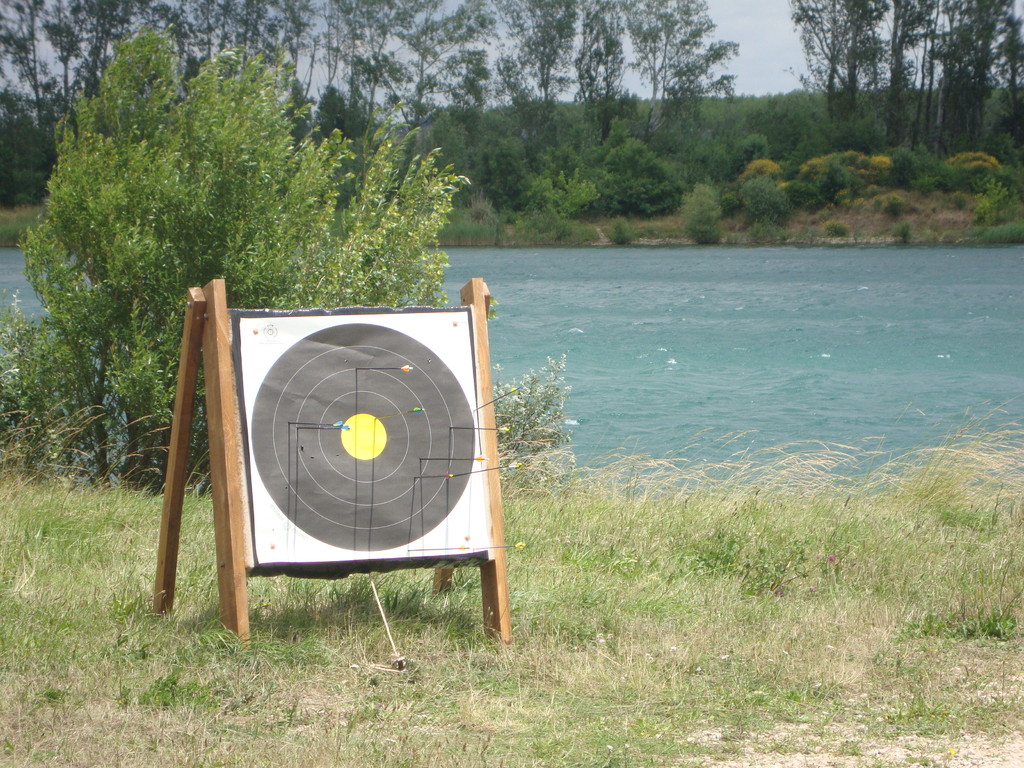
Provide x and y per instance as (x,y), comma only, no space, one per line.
(493,573)
(225,462)
(494,586)
(443,579)
(177,454)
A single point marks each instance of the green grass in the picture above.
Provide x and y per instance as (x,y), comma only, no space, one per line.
(1001,233)
(664,614)
(14,221)
(469,227)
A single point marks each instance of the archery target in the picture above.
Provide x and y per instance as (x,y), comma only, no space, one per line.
(362,437)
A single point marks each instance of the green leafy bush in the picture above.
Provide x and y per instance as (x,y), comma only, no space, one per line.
(702,213)
(993,203)
(765,202)
(567,196)
(904,168)
(892,204)
(731,204)
(803,194)
(163,185)
(621,232)
(836,181)
(834,228)
(637,182)
(530,411)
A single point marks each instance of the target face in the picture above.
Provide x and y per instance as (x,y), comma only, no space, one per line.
(362,437)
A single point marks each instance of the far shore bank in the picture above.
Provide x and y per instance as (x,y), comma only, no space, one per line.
(929,220)
(932,219)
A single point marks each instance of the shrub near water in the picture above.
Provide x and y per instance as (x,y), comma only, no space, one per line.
(834,228)
(15,221)
(765,202)
(702,213)
(163,185)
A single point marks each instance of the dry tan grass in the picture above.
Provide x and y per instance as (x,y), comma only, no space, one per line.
(934,217)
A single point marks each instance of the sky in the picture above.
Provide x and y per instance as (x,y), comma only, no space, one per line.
(771,59)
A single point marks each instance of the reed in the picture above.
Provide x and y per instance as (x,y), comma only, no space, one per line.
(14,221)
(1001,233)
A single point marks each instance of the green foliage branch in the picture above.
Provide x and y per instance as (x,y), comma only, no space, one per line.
(163,184)
(530,411)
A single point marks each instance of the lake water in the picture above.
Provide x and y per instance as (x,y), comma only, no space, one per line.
(674,349)
(667,348)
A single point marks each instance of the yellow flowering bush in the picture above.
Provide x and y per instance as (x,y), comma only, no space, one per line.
(974,161)
(762,167)
(864,168)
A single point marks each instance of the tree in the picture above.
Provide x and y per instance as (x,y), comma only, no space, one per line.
(674,55)
(101,24)
(636,181)
(601,62)
(702,212)
(162,185)
(444,57)
(921,127)
(540,34)
(371,27)
(65,38)
(20,40)
(843,49)
(1012,71)
(297,37)
(26,151)
(765,202)
(908,26)
(967,53)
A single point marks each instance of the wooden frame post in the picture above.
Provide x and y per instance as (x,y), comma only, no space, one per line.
(494,572)
(207,333)
(226,473)
(177,456)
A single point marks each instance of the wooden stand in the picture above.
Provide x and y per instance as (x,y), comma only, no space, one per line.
(493,572)
(207,333)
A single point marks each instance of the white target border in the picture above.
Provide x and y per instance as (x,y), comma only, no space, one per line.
(277,541)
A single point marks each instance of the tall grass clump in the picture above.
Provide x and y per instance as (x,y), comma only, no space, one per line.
(621,231)
(477,224)
(15,221)
(549,228)
(664,613)
(1001,233)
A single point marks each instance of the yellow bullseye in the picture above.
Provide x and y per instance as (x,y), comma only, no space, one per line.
(364,436)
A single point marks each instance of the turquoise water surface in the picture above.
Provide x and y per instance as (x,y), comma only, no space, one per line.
(674,350)
(671,349)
